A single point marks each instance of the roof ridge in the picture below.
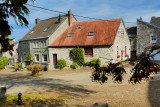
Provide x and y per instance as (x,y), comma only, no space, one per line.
(97,20)
(53,18)
(148,23)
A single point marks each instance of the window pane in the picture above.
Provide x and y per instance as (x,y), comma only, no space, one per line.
(44,57)
(91,34)
(37,57)
(88,51)
(70,35)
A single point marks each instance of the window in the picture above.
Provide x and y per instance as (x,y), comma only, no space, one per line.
(70,35)
(44,58)
(125,50)
(153,37)
(91,34)
(32,32)
(79,27)
(36,57)
(122,34)
(88,52)
(46,29)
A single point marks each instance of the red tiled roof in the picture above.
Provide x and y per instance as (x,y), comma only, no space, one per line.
(104,33)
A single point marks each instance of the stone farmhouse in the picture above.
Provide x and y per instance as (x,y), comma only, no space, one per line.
(148,34)
(52,39)
(37,40)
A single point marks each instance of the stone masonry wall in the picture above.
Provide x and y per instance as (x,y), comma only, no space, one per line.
(104,53)
(121,42)
(144,32)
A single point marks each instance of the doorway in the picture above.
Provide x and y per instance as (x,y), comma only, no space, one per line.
(54,59)
(121,55)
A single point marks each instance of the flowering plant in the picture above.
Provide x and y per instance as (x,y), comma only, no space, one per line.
(118,56)
(126,55)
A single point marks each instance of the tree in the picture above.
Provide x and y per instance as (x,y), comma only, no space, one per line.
(17,10)
(29,57)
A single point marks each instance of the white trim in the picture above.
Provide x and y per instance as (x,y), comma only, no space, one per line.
(35,57)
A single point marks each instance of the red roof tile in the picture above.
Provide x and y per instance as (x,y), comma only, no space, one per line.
(104,33)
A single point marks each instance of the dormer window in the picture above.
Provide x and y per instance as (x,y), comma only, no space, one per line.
(79,27)
(70,35)
(46,29)
(91,34)
(153,37)
(32,32)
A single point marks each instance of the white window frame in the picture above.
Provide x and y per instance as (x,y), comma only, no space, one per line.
(91,33)
(43,58)
(35,59)
(153,37)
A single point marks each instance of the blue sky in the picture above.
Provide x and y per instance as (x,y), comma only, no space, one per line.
(128,10)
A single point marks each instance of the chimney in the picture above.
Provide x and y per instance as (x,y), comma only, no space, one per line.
(140,18)
(70,17)
(37,20)
(60,19)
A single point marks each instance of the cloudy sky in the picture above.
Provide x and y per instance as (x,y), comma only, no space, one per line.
(128,10)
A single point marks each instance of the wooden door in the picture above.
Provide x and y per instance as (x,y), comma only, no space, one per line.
(54,59)
(121,55)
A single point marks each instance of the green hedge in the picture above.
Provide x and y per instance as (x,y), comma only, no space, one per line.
(3,62)
(61,63)
(94,61)
(76,55)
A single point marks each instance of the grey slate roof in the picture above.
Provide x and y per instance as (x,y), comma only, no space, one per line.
(149,24)
(155,21)
(41,26)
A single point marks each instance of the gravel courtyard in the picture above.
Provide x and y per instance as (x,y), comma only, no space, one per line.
(78,86)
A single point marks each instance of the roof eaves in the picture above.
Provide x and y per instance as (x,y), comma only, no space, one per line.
(81,45)
(34,38)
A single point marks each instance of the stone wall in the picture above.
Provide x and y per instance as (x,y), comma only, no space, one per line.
(121,42)
(144,32)
(104,53)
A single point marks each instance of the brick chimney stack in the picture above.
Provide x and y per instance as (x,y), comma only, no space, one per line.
(70,17)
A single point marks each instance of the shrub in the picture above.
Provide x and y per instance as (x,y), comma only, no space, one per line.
(75,65)
(30,67)
(14,64)
(3,62)
(29,58)
(94,61)
(42,67)
(61,63)
(36,69)
(76,55)
(18,67)
(87,64)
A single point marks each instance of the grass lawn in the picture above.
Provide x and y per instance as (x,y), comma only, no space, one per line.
(35,99)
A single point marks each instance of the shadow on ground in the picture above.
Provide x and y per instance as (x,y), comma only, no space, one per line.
(65,87)
(154,93)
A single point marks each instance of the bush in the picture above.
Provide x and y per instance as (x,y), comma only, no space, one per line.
(75,65)
(61,63)
(76,55)
(30,67)
(3,62)
(87,64)
(18,67)
(94,61)
(14,64)
(42,67)
(37,69)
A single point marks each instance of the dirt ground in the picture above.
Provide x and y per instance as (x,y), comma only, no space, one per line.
(77,85)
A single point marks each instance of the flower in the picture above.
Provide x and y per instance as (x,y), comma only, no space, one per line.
(118,56)
(126,55)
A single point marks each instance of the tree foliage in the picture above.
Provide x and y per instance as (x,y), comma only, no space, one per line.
(29,57)
(17,10)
